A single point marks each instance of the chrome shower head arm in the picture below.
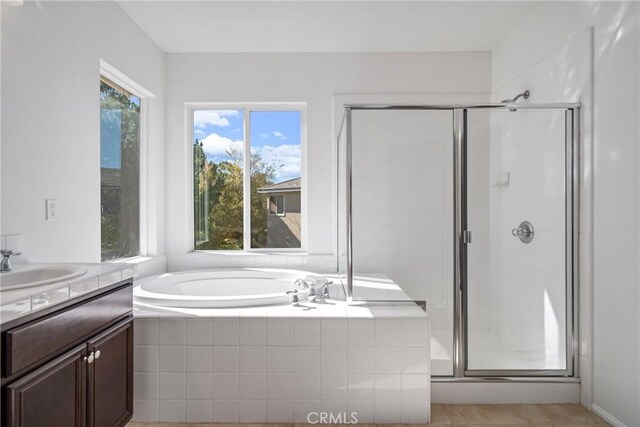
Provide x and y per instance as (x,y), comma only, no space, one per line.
(524,95)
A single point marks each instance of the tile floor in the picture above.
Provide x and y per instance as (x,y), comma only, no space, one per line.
(565,415)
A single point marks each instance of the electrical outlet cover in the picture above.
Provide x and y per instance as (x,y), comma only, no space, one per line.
(52,210)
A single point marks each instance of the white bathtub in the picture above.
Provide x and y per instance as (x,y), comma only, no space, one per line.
(221,288)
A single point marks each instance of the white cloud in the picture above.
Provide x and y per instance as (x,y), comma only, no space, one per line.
(287,155)
(201,118)
(215,145)
(264,135)
(279,135)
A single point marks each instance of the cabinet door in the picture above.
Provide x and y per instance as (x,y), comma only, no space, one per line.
(110,396)
(51,396)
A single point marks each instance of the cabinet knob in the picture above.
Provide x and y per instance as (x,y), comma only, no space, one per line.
(97,354)
(91,358)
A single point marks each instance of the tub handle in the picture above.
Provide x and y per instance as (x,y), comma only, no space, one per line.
(295,300)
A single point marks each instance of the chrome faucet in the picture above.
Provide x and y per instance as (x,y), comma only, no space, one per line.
(295,299)
(324,294)
(309,287)
(311,293)
(5,264)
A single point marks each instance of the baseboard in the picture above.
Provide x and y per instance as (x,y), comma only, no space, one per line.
(607,416)
(511,392)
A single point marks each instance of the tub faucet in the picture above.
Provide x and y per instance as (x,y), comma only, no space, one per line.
(325,290)
(5,264)
(309,287)
(295,300)
(324,293)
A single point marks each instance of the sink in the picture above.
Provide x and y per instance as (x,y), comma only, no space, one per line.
(39,275)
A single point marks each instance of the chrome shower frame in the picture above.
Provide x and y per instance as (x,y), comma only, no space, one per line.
(459,140)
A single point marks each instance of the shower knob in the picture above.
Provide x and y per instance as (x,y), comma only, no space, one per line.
(524,232)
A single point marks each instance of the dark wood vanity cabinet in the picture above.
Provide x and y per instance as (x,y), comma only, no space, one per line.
(110,377)
(53,395)
(86,379)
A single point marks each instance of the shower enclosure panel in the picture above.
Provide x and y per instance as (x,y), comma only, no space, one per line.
(519,194)
(401,179)
(472,209)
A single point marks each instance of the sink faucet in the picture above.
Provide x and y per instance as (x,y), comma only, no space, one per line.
(5,265)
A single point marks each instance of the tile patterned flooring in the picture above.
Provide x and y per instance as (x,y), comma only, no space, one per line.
(559,415)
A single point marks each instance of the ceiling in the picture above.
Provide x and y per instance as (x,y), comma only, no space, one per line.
(326,26)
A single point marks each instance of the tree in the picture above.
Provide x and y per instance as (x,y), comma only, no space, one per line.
(120,180)
(218,195)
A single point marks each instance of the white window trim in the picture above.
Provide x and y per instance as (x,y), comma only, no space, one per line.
(119,78)
(247,108)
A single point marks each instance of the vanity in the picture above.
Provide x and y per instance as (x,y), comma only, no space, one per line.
(67,350)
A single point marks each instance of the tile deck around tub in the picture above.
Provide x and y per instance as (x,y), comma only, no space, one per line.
(278,364)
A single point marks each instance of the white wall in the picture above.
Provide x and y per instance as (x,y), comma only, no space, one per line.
(51,121)
(541,55)
(310,78)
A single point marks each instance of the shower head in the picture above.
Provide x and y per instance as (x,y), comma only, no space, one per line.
(524,95)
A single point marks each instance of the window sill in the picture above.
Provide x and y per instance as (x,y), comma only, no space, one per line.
(144,265)
(262,252)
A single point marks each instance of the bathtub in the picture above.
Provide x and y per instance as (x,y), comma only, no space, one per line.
(271,364)
(221,288)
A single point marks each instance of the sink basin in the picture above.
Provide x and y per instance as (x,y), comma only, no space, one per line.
(41,275)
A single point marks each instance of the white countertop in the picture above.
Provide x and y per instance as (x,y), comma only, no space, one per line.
(19,302)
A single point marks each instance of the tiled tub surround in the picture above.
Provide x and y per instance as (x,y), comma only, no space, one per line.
(278,364)
(20,302)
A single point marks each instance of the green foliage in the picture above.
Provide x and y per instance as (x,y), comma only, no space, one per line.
(120,189)
(218,195)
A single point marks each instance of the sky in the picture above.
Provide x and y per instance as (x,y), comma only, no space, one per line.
(274,134)
(111,135)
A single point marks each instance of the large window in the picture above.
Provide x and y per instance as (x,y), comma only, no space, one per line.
(119,172)
(238,207)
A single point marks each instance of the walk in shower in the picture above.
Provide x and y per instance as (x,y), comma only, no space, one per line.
(471,209)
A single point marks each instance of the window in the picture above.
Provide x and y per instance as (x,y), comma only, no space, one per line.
(119,172)
(276,205)
(240,208)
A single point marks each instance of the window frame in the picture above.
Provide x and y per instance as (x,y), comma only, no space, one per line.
(247,108)
(113,76)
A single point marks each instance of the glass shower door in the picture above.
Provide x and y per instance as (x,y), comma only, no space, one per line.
(518,282)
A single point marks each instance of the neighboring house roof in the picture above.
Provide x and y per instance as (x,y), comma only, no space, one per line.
(289,185)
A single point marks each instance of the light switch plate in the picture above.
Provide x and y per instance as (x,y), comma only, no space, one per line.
(52,210)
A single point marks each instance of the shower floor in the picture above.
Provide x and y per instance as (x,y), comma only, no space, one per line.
(486,350)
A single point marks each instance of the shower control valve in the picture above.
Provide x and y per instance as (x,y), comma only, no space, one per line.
(524,232)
